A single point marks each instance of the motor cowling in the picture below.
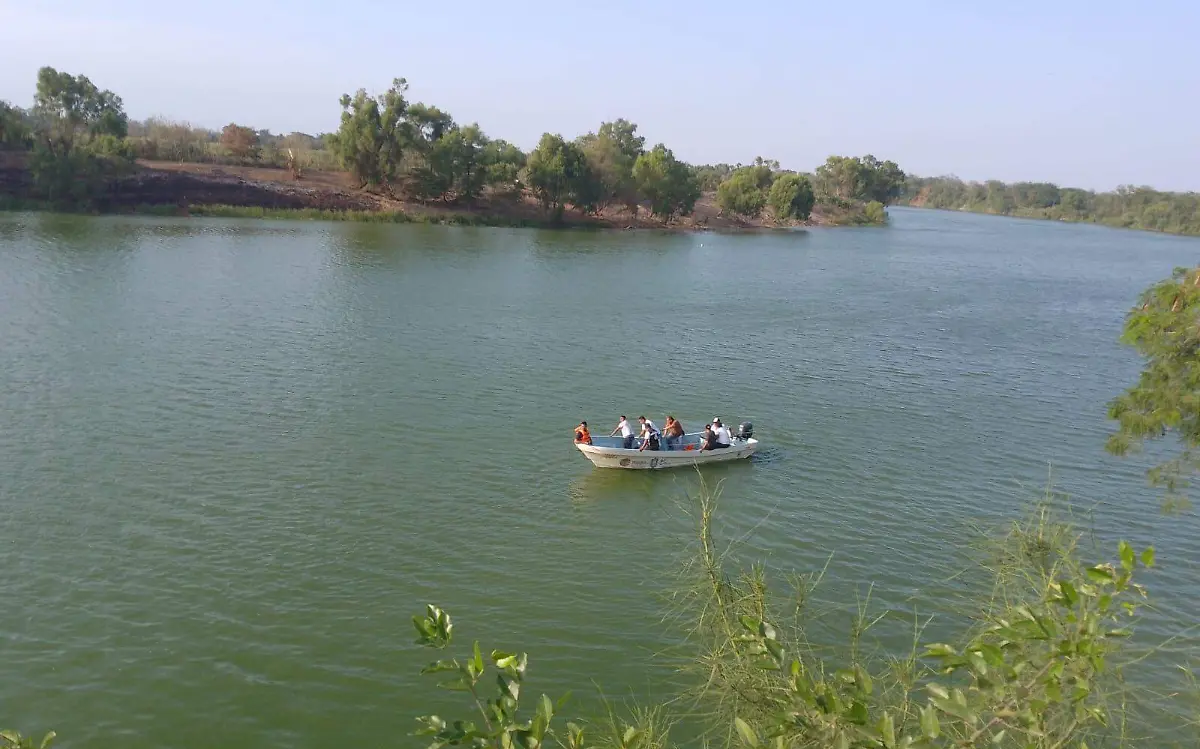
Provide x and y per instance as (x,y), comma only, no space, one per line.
(745,431)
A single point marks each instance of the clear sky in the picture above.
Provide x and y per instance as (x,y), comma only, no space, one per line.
(1091,94)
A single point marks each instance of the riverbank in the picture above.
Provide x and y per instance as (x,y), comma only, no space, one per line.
(1138,208)
(189,189)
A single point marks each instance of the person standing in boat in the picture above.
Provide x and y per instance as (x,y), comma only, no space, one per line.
(626,433)
(673,431)
(650,435)
(646,422)
(582,435)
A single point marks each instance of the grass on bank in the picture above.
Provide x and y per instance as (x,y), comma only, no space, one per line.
(1039,662)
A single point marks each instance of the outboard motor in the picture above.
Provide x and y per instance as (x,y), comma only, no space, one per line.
(745,431)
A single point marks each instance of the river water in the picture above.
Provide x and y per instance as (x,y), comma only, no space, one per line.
(237,456)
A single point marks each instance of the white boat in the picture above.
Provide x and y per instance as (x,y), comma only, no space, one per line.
(607,452)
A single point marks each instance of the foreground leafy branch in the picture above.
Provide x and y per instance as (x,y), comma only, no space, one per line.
(502,725)
(1164,327)
(14,740)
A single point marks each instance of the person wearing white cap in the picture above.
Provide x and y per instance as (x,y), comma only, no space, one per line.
(724,438)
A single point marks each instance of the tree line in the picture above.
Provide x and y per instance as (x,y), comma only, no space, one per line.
(1127,206)
(82,143)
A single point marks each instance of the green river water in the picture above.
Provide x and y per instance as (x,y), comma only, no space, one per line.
(237,456)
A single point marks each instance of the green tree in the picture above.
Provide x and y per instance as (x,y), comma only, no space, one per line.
(371,138)
(503,163)
(557,172)
(741,194)
(68,107)
(840,178)
(81,152)
(667,183)
(882,181)
(1164,327)
(15,133)
(710,176)
(762,172)
(791,197)
(453,166)
(611,153)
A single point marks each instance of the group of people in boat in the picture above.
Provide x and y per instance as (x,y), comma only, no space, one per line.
(715,436)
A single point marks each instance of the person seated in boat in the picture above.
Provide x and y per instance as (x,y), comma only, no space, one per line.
(626,433)
(673,431)
(650,436)
(724,438)
(582,435)
(708,440)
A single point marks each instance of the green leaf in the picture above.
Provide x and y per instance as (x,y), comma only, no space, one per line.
(439,666)
(47,739)
(1122,632)
(858,714)
(748,735)
(632,733)
(956,707)
(767,631)
(992,654)
(929,723)
(1069,593)
(938,650)
(999,737)
(11,737)
(978,664)
(887,731)
(1100,574)
(863,680)
(775,648)
(937,690)
(1127,559)
(842,741)
(478,659)
(1148,556)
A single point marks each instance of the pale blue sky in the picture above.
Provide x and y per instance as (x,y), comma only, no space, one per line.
(1092,94)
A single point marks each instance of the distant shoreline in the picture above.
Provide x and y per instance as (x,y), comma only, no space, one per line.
(1032,216)
(190,189)
(1135,208)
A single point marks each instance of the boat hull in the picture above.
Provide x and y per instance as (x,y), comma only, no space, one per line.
(616,457)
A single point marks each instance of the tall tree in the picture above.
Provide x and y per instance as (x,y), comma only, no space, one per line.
(841,178)
(882,180)
(612,155)
(81,151)
(68,106)
(370,140)
(668,184)
(557,172)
